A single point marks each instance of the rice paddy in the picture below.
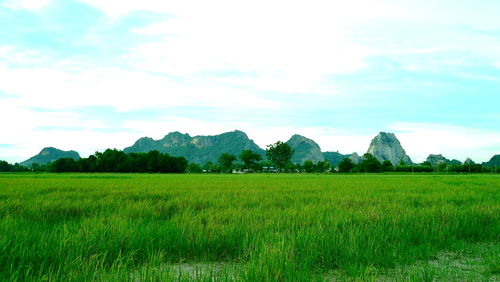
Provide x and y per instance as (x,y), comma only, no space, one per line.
(261,227)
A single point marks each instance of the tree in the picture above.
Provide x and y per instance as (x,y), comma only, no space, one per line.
(308,166)
(194,168)
(387,166)
(226,161)
(210,167)
(370,164)
(63,165)
(5,166)
(322,166)
(441,167)
(250,158)
(280,154)
(346,165)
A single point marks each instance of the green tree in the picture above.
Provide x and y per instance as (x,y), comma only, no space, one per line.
(370,164)
(308,166)
(387,166)
(226,162)
(5,166)
(194,168)
(322,167)
(210,167)
(250,159)
(280,154)
(63,165)
(346,165)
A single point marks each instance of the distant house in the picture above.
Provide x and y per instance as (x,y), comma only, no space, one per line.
(244,171)
(269,169)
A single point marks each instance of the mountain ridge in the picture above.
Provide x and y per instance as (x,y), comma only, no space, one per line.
(305,149)
(205,148)
(48,155)
(199,149)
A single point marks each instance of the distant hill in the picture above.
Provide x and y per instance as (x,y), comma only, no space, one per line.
(305,149)
(50,154)
(494,161)
(437,159)
(334,158)
(198,149)
(202,149)
(385,146)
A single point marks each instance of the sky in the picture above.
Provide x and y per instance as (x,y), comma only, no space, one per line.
(87,75)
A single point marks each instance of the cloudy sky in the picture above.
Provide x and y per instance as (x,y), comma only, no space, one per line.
(95,74)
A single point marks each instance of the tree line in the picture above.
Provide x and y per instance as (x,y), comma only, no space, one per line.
(112,160)
(278,159)
(373,165)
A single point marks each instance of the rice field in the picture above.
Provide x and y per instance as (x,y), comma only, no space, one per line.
(262,227)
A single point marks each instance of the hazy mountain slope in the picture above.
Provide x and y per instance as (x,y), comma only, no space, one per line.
(50,154)
(198,149)
(305,149)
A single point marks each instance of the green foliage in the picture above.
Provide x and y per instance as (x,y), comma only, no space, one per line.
(322,166)
(387,166)
(441,167)
(226,161)
(250,159)
(319,167)
(210,167)
(369,164)
(113,160)
(308,166)
(346,165)
(6,167)
(280,154)
(194,168)
(260,227)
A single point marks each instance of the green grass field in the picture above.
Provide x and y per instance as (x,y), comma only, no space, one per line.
(264,227)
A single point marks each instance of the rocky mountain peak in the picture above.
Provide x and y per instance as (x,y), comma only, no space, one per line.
(199,149)
(386,146)
(435,159)
(469,161)
(305,149)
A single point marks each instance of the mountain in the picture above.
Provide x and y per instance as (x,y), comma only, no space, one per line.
(305,149)
(334,158)
(198,149)
(469,161)
(355,158)
(437,159)
(493,162)
(50,154)
(385,146)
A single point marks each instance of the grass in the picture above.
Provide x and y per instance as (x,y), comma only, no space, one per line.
(262,227)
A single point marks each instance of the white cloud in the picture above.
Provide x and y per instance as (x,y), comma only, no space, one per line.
(26,4)
(125,90)
(282,46)
(25,131)
(11,55)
